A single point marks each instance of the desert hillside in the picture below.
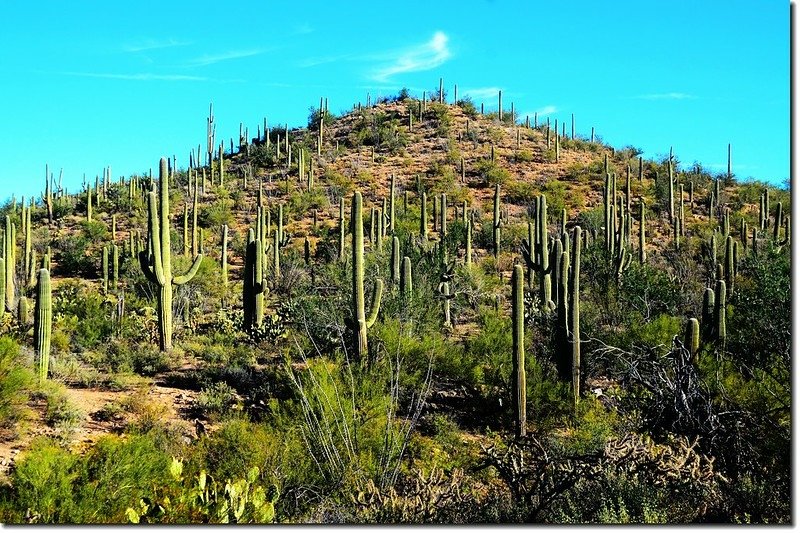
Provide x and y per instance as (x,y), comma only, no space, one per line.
(410,312)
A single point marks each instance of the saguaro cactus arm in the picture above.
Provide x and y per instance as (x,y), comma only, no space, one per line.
(180,280)
(377,292)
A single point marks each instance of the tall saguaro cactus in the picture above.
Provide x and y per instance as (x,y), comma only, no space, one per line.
(496,221)
(224,256)
(361,322)
(574,312)
(720,313)
(10,262)
(518,350)
(537,255)
(254,285)
(156,261)
(43,322)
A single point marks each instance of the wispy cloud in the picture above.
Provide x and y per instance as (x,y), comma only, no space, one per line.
(542,111)
(481,93)
(303,29)
(145,76)
(314,61)
(422,57)
(210,59)
(666,96)
(152,44)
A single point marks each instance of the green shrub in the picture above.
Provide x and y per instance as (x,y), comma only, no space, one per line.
(217,401)
(83,313)
(15,378)
(43,485)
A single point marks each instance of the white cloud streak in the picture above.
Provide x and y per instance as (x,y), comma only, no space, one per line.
(145,76)
(422,57)
(210,59)
(666,96)
(481,93)
(543,111)
(151,44)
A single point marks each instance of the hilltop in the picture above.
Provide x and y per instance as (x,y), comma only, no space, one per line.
(469,398)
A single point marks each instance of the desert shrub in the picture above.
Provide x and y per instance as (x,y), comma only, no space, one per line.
(43,485)
(125,356)
(314,116)
(378,129)
(760,323)
(216,214)
(443,120)
(368,446)
(76,250)
(234,448)
(520,192)
(339,185)
(15,378)
(217,401)
(83,313)
(491,172)
(649,291)
(468,107)
(523,156)
(557,198)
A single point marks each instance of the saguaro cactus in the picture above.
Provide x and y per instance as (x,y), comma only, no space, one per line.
(105,269)
(342,229)
(2,286)
(156,261)
(423,223)
(692,337)
(254,282)
(395,260)
(468,252)
(730,262)
(496,221)
(43,322)
(114,266)
(361,322)
(720,313)
(10,264)
(405,278)
(443,215)
(444,293)
(642,251)
(23,309)
(224,256)
(574,312)
(518,351)
(537,255)
(391,205)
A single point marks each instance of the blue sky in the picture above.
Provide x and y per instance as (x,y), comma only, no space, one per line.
(91,84)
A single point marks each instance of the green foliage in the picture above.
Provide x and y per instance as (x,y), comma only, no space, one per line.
(217,401)
(15,378)
(216,214)
(126,356)
(468,107)
(491,172)
(83,314)
(378,129)
(760,322)
(43,482)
